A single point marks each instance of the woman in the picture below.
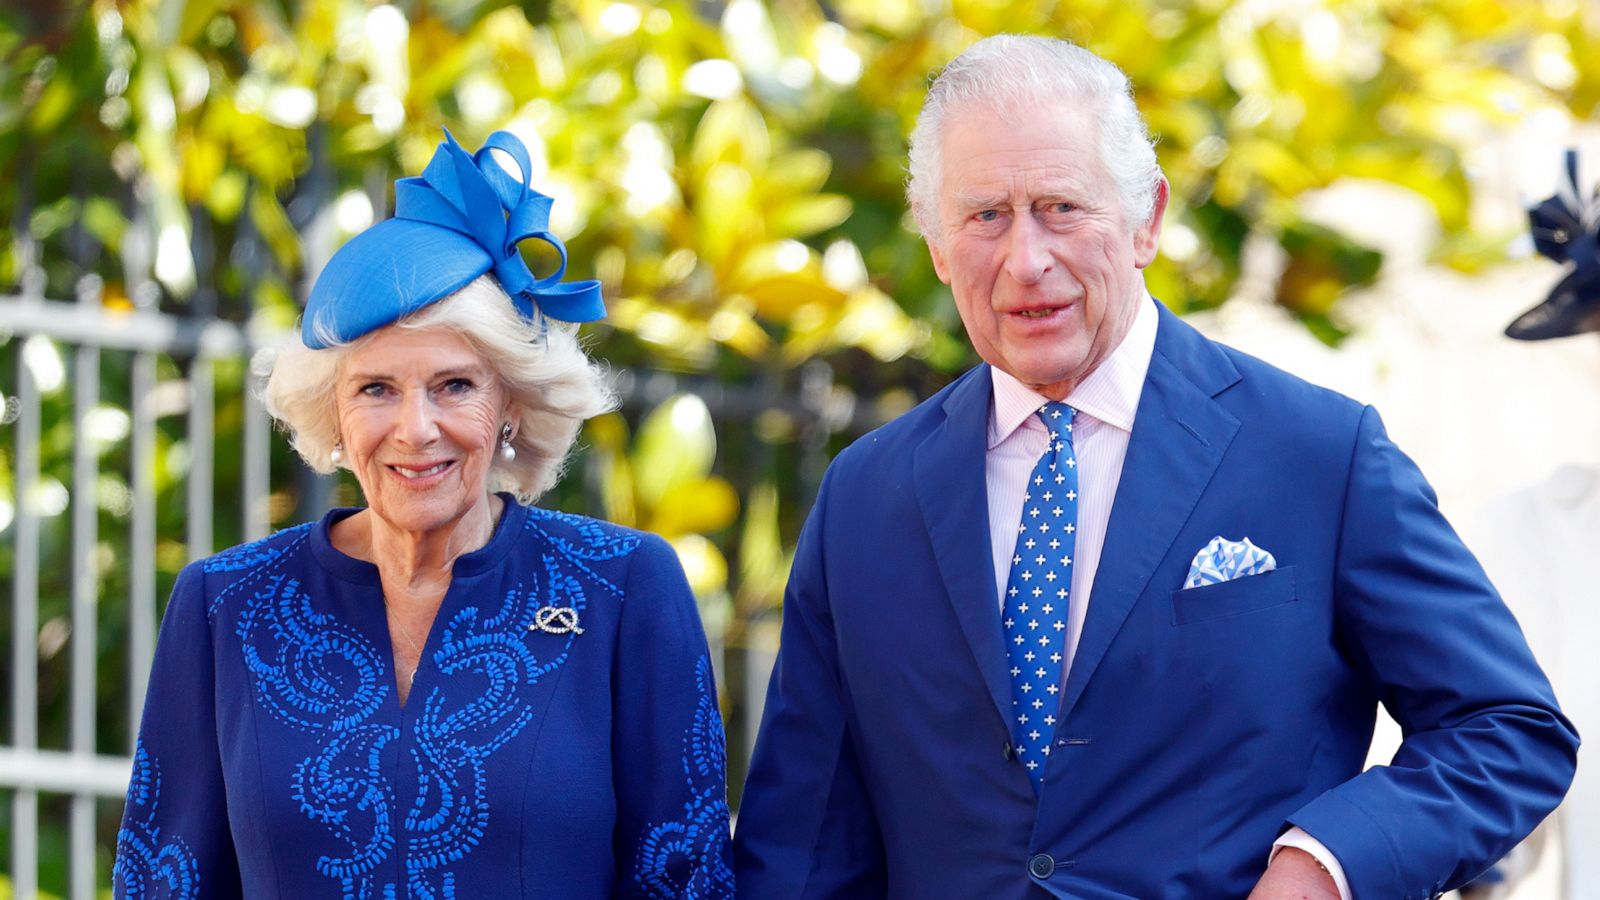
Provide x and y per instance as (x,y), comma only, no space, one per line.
(449,692)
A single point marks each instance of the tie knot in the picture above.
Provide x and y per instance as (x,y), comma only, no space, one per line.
(1058,418)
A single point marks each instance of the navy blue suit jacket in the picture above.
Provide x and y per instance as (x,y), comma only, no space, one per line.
(1195,725)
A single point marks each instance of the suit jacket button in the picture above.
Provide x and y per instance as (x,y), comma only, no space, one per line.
(1041,865)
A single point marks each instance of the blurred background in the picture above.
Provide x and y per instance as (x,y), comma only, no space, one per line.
(1349,177)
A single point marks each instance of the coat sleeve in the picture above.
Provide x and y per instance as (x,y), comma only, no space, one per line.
(1486,754)
(806,827)
(175,839)
(668,749)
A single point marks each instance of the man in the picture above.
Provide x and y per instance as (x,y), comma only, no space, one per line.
(1111,615)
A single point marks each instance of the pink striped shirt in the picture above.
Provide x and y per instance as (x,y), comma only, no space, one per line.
(1106,402)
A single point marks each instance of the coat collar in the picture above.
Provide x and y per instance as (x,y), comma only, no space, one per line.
(948,468)
(1179,437)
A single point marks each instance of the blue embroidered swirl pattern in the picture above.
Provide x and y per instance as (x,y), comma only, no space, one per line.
(313,671)
(687,857)
(256,554)
(144,861)
(317,674)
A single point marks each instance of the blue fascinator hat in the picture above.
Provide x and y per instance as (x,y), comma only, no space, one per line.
(1566,228)
(463,217)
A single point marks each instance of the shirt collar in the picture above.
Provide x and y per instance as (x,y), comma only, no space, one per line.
(1109,394)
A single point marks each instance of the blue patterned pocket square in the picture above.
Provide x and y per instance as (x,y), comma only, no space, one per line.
(1224,560)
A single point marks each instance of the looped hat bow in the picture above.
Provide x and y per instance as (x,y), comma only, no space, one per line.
(1565,228)
(464,216)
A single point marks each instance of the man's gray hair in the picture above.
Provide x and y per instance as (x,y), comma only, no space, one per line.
(1011,72)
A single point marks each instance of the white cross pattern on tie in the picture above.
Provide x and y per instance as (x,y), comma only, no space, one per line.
(1028,682)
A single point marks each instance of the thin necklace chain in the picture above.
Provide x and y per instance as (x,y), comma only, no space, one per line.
(395,620)
(412,676)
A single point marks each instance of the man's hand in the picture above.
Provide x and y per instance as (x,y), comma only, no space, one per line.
(1295,875)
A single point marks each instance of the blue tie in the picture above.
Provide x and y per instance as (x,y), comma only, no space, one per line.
(1035,609)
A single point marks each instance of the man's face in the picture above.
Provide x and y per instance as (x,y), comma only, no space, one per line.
(1033,241)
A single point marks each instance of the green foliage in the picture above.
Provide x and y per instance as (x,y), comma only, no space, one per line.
(701,164)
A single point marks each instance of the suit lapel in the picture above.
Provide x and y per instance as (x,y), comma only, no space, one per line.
(953,494)
(1179,437)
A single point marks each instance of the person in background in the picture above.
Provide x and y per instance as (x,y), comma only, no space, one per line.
(1112,614)
(448,692)
(1537,544)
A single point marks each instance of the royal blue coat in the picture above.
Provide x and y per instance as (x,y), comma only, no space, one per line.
(274,760)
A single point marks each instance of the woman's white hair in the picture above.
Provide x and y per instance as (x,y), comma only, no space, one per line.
(1016,73)
(552,383)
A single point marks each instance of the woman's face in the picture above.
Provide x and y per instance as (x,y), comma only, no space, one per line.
(420,414)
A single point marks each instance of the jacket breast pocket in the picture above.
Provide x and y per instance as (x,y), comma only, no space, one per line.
(1251,593)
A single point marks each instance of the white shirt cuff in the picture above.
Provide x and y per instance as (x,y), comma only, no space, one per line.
(1299,839)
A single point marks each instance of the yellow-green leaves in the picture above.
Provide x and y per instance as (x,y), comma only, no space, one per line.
(661,480)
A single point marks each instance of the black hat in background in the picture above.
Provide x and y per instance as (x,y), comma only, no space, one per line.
(1566,228)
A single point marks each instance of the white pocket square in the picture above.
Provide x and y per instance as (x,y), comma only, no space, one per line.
(1224,560)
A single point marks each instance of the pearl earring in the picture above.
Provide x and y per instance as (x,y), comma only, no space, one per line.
(337,453)
(507,452)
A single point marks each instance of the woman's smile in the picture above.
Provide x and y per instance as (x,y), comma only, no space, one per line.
(421,414)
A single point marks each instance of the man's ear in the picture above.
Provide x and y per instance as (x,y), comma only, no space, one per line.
(940,267)
(1146,236)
